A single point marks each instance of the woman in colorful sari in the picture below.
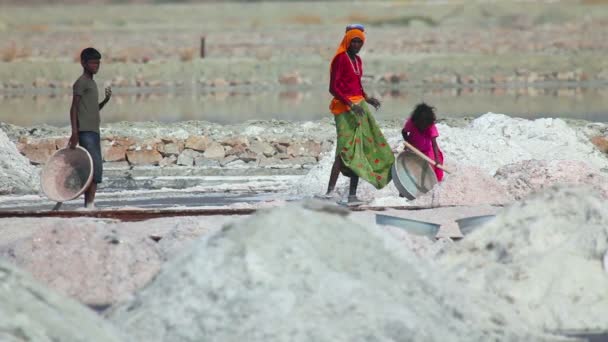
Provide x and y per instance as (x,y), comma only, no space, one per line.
(362,150)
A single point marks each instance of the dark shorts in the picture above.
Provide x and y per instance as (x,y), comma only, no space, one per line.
(91,142)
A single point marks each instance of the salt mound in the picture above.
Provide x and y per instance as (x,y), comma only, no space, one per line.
(293,274)
(89,260)
(495,140)
(525,177)
(30,312)
(465,186)
(542,257)
(17,176)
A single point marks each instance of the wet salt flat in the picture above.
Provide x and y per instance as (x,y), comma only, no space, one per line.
(211,192)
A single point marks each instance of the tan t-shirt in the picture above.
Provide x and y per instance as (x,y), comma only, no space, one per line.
(88,108)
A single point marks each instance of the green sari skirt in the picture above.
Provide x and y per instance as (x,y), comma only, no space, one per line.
(363,148)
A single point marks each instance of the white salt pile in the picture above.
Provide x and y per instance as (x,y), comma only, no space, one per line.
(488,143)
(293,274)
(467,185)
(90,260)
(30,312)
(543,258)
(495,140)
(17,176)
(522,178)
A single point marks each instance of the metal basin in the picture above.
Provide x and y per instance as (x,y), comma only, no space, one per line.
(67,174)
(469,224)
(411,226)
(412,175)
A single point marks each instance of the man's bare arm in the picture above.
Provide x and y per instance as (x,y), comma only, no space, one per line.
(107,98)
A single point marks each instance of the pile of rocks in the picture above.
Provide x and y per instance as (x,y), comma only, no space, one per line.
(196,150)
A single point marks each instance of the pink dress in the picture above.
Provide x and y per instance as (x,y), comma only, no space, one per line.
(423,141)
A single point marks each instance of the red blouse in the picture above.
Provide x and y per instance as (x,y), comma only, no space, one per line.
(344,82)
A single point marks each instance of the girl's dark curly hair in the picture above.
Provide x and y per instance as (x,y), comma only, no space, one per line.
(423,116)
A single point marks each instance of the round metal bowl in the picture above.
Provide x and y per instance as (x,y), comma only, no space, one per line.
(469,224)
(67,174)
(411,226)
(412,175)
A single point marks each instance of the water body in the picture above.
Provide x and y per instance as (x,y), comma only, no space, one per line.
(228,107)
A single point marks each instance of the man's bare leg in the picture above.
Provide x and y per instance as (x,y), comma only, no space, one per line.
(89,196)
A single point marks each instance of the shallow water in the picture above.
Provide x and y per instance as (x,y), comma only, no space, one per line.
(299,105)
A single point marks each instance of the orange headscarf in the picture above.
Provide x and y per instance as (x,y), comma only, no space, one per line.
(348,37)
(336,106)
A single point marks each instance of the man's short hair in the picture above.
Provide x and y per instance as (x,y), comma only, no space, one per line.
(89,54)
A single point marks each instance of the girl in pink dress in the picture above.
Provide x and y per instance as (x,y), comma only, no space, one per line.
(420,131)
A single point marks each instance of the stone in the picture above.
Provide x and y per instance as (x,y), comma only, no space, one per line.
(219,83)
(201,161)
(601,142)
(197,143)
(40,82)
(305,161)
(144,157)
(308,148)
(280,148)
(152,144)
(119,82)
(532,77)
(187,157)
(295,150)
(173,148)
(498,79)
(37,153)
(262,148)
(282,156)
(236,150)
(393,78)
(282,141)
(61,142)
(275,163)
(248,156)
(228,160)
(236,141)
(215,151)
(293,78)
(120,140)
(167,161)
(113,153)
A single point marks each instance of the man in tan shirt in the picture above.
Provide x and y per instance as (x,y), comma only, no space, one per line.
(84,117)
